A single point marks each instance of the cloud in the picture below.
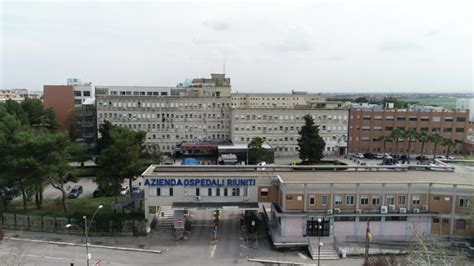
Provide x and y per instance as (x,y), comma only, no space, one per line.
(217,25)
(431,33)
(398,46)
(295,39)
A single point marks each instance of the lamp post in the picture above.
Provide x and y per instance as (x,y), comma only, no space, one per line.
(85,230)
(320,227)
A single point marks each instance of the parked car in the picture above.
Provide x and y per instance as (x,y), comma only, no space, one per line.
(75,192)
(369,155)
(378,156)
(136,190)
(418,158)
(389,161)
(124,190)
(358,155)
(102,192)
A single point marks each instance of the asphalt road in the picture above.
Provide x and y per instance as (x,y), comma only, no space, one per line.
(199,248)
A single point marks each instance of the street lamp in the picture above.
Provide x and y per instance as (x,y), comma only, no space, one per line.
(85,230)
(320,227)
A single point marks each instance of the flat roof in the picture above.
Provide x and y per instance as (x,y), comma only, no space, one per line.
(318,176)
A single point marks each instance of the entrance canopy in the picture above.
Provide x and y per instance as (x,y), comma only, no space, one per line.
(216,205)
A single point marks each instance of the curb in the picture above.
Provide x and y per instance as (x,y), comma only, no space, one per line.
(83,245)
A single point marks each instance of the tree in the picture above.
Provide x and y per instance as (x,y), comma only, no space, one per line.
(120,159)
(436,138)
(395,135)
(422,137)
(78,152)
(74,120)
(105,139)
(256,152)
(449,143)
(409,135)
(311,145)
(37,115)
(385,139)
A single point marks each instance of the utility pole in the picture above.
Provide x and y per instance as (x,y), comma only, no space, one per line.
(368,237)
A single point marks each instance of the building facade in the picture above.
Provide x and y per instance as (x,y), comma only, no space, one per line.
(61,99)
(205,111)
(279,127)
(367,128)
(466,104)
(398,202)
(170,116)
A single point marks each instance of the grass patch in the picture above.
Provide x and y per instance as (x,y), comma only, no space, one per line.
(53,207)
(85,172)
(447,102)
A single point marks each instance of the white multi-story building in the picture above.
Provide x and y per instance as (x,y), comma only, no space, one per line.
(205,111)
(279,127)
(170,116)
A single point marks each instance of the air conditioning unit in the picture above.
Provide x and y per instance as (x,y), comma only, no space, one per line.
(416,210)
(383,209)
(358,211)
(391,207)
(425,208)
(403,210)
(329,211)
(198,197)
(337,210)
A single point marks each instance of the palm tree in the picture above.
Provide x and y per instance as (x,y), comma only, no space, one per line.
(436,138)
(385,139)
(422,137)
(396,134)
(449,144)
(409,134)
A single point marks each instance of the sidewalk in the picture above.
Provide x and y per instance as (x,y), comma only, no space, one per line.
(157,240)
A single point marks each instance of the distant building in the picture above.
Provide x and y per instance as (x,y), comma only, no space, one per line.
(367,127)
(59,97)
(466,104)
(19,95)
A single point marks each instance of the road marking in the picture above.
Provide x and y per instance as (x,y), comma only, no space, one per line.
(44,257)
(213,251)
(242,246)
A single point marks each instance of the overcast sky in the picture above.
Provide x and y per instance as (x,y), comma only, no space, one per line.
(333,46)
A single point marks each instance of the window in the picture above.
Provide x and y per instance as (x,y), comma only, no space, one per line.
(390,200)
(401,200)
(218,192)
(436,220)
(87,93)
(460,130)
(337,200)
(350,200)
(460,119)
(375,200)
(197,192)
(415,199)
(78,93)
(226,192)
(436,197)
(312,200)
(209,192)
(364,200)
(324,200)
(164,191)
(299,198)
(264,192)
(463,202)
(460,224)
(289,197)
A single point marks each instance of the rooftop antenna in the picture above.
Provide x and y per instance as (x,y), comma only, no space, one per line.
(224,67)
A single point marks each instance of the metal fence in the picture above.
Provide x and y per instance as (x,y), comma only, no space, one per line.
(58,225)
